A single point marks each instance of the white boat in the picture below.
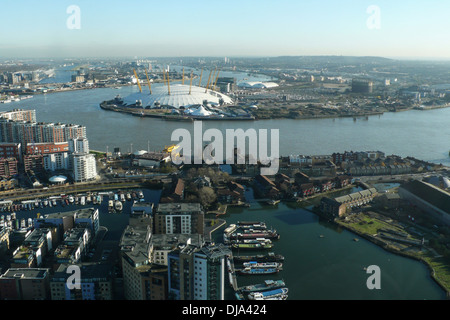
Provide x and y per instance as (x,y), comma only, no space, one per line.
(277,294)
(118,206)
(71,199)
(83,200)
(254,264)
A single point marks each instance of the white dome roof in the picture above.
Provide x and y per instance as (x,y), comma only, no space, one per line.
(179,96)
(257,84)
(58,179)
(140,152)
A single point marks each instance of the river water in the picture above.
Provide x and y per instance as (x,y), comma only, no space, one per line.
(315,268)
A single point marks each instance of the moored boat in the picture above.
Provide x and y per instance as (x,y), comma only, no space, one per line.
(277,294)
(265,286)
(258,271)
(256,264)
(270,257)
(118,205)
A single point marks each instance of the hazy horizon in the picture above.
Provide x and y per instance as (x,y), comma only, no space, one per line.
(54,29)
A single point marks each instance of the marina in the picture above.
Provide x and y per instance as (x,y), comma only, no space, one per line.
(254,265)
(9,209)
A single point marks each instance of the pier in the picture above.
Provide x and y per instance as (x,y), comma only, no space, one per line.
(232,274)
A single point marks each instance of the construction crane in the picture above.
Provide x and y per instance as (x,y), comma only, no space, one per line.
(139,85)
(148,81)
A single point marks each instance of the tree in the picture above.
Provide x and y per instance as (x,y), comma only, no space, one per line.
(206,196)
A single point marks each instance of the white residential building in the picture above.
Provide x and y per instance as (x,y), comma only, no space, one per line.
(84,167)
(79,145)
(56,161)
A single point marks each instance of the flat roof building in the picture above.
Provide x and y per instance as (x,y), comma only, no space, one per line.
(183,218)
(25,284)
(429,198)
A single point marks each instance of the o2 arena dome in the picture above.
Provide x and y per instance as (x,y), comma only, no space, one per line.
(180,96)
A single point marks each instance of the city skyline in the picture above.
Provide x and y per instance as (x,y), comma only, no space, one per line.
(200,28)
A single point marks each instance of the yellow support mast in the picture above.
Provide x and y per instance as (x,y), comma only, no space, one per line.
(182,79)
(190,85)
(217,78)
(148,82)
(207,84)
(168,82)
(139,85)
(213,77)
(200,81)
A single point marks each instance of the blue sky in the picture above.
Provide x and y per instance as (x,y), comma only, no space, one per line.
(230,28)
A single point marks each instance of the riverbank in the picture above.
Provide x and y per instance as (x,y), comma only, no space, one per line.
(441,277)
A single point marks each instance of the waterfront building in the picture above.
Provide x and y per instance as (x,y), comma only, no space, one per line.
(39,239)
(266,187)
(11,150)
(79,145)
(87,218)
(60,221)
(427,197)
(45,148)
(19,115)
(340,206)
(179,218)
(144,274)
(142,208)
(66,254)
(151,159)
(8,167)
(4,240)
(84,167)
(198,273)
(96,283)
(164,244)
(78,237)
(135,252)
(25,257)
(25,284)
(33,162)
(25,129)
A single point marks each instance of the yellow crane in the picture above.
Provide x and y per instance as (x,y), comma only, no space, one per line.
(217,78)
(139,85)
(182,79)
(148,81)
(200,81)
(168,83)
(207,84)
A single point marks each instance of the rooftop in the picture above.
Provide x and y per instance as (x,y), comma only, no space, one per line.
(25,273)
(179,207)
(429,193)
(179,96)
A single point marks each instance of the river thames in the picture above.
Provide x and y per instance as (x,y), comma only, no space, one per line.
(328,267)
